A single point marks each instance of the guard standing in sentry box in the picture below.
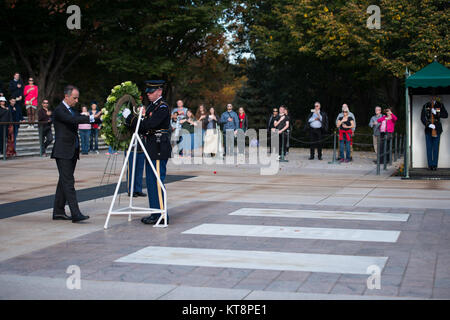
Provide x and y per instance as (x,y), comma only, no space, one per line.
(155,128)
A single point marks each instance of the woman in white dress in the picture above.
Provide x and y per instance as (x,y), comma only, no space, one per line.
(211,136)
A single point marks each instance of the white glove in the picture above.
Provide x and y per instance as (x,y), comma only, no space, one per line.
(434,111)
(432,126)
(126,112)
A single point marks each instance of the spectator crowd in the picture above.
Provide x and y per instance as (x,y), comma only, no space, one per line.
(26,98)
(215,129)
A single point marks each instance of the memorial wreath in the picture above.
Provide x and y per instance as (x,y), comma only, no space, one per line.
(114,131)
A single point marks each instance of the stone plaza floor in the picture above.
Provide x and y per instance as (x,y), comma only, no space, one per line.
(311,231)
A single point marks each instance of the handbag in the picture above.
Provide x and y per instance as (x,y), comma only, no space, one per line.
(383,126)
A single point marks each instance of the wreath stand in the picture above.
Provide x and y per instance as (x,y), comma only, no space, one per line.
(131,210)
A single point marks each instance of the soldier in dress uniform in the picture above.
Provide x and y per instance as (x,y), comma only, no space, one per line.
(155,129)
(431,115)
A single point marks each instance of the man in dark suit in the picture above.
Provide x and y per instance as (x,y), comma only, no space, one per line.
(66,151)
(16,90)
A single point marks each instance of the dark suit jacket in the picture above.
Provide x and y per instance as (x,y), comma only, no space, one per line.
(66,132)
(425,117)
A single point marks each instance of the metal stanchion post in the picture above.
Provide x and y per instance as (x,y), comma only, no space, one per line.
(40,139)
(378,154)
(396,147)
(5,139)
(390,148)
(282,147)
(402,139)
(384,152)
(334,161)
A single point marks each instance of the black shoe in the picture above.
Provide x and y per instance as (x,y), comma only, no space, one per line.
(79,218)
(153,218)
(61,217)
(320,158)
(134,194)
(311,158)
(139,194)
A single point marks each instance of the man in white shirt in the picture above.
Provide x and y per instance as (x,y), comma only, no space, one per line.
(317,122)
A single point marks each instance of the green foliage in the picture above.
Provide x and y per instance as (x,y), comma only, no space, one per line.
(118,40)
(311,50)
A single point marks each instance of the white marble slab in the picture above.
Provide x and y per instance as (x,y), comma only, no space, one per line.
(294,232)
(263,260)
(319,214)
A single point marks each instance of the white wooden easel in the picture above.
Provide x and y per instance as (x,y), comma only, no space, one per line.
(130,210)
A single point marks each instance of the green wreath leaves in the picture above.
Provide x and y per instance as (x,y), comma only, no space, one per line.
(114,131)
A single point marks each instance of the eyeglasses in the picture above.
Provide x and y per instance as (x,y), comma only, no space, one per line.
(345,111)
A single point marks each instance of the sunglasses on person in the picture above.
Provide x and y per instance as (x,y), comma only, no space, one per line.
(345,111)
(275,111)
(30,80)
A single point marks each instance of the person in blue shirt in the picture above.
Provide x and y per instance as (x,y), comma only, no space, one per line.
(230,122)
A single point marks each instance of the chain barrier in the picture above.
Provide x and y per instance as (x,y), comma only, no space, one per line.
(312,142)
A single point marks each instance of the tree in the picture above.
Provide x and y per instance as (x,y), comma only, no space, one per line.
(158,39)
(324,48)
(37,37)
(163,37)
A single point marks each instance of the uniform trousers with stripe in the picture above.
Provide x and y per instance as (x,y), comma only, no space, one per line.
(155,193)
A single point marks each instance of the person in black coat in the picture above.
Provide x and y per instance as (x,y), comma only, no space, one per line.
(66,151)
(271,126)
(5,116)
(16,90)
(431,115)
(16,113)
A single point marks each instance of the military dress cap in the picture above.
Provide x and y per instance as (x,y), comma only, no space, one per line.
(153,85)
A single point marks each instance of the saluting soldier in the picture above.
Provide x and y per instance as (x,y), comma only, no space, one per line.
(431,115)
(155,128)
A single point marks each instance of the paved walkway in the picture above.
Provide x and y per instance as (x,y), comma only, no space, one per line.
(308,221)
